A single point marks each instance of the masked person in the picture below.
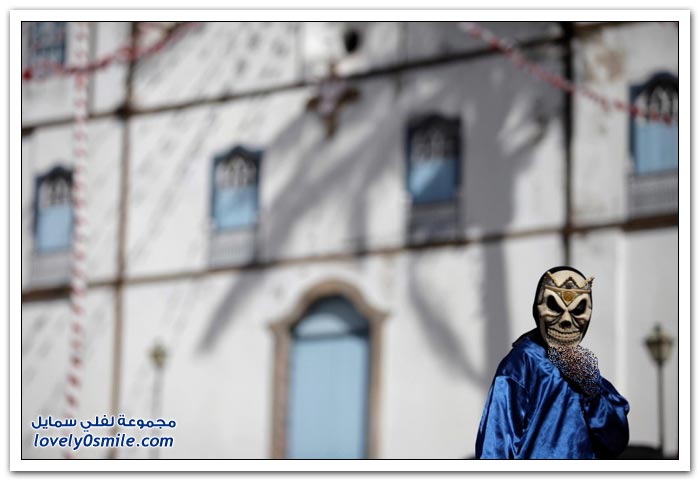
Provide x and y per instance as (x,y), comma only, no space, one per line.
(548,399)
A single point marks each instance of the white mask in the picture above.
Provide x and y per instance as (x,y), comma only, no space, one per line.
(563,307)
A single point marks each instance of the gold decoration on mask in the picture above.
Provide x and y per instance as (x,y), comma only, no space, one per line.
(569,289)
(568,296)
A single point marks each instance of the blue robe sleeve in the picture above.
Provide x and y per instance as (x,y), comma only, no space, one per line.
(606,416)
(503,421)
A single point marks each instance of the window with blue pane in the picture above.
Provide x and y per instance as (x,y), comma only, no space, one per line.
(235,189)
(433,159)
(654,144)
(329,383)
(47,43)
(53,211)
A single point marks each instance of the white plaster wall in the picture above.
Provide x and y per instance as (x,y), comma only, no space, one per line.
(650,297)
(215,386)
(108,89)
(222,58)
(317,196)
(170,174)
(218,380)
(440,345)
(632,291)
(28,153)
(455,313)
(434,39)
(381,45)
(320,195)
(50,146)
(45,359)
(433,371)
(219,58)
(601,254)
(525,260)
(346,193)
(635,287)
(609,62)
(52,98)
(512,148)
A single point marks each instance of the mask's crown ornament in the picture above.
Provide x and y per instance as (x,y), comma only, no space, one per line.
(569,289)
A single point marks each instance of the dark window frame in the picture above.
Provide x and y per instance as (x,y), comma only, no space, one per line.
(659,79)
(453,128)
(252,155)
(56,172)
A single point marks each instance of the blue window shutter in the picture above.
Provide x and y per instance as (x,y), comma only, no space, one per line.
(329,382)
(54,228)
(433,159)
(236,207)
(656,147)
(235,182)
(433,181)
(53,210)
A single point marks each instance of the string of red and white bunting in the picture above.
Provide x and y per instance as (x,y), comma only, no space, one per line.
(126,54)
(78,288)
(508,49)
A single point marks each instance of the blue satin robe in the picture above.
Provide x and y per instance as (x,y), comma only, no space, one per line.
(532,412)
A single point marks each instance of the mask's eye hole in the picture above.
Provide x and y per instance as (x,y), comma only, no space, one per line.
(580,309)
(552,305)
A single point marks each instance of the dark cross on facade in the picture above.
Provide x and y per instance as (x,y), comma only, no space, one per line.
(332,94)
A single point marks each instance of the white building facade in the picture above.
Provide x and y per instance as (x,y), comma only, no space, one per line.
(344,290)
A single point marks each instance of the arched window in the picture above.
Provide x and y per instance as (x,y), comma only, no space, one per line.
(433,159)
(655,144)
(53,210)
(235,189)
(329,381)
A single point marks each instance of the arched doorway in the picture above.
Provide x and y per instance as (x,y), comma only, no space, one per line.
(326,376)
